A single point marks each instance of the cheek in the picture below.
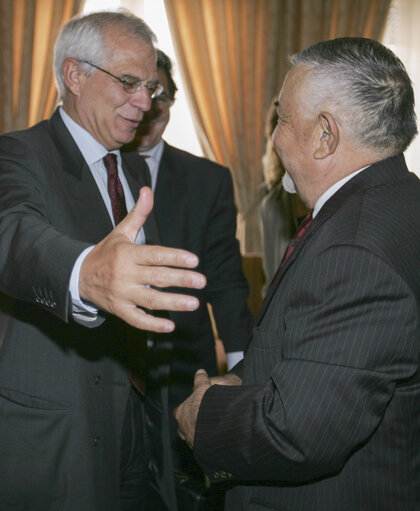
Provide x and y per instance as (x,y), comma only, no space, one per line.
(158,128)
(162,114)
(279,139)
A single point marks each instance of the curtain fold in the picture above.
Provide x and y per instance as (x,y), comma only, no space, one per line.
(28,32)
(232,56)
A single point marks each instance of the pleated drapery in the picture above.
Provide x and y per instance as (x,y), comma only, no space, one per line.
(232,56)
(28,30)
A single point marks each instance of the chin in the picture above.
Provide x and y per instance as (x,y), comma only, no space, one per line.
(146,143)
(124,140)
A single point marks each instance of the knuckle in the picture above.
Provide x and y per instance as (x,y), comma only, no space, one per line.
(155,277)
(157,256)
(153,300)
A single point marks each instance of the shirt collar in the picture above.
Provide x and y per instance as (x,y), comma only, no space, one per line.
(90,148)
(155,153)
(332,190)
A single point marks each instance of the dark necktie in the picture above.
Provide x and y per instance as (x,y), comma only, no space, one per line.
(119,211)
(115,189)
(299,233)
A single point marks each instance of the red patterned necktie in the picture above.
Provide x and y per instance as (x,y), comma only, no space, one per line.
(115,189)
(299,233)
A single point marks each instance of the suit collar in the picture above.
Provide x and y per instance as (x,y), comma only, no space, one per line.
(138,175)
(73,161)
(379,173)
(170,163)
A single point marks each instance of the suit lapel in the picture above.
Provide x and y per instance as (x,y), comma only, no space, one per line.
(138,175)
(87,206)
(170,195)
(89,210)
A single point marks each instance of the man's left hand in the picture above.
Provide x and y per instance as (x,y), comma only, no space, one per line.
(186,413)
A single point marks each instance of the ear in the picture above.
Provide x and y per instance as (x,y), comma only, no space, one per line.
(328,136)
(72,75)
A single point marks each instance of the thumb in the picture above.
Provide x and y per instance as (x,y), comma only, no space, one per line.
(134,221)
(201,378)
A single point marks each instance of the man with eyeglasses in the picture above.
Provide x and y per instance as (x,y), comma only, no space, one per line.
(78,283)
(195,210)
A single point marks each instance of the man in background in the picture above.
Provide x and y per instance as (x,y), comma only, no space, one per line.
(323,413)
(76,279)
(194,209)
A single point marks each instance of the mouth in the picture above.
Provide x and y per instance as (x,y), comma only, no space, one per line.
(132,123)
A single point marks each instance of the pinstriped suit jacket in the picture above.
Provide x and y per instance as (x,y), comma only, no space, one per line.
(328,417)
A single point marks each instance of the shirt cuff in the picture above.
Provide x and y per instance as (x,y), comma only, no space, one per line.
(81,308)
(233,358)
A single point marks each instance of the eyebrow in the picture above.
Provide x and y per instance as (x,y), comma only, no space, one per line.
(131,78)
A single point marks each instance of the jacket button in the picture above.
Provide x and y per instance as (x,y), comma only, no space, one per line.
(96,441)
(97,379)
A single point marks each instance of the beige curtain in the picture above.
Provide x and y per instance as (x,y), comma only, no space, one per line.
(28,29)
(232,56)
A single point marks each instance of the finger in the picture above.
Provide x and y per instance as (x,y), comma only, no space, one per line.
(140,319)
(160,276)
(154,299)
(134,221)
(226,379)
(154,255)
(201,378)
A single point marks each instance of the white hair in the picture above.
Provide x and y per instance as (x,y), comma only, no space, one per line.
(82,38)
(366,87)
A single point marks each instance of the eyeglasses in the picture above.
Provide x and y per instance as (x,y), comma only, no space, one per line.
(153,88)
(163,98)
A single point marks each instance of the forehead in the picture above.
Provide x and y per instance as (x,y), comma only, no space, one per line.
(128,54)
(291,92)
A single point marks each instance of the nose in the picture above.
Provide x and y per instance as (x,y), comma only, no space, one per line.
(141,99)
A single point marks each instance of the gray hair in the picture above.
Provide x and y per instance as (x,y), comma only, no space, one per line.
(82,38)
(366,87)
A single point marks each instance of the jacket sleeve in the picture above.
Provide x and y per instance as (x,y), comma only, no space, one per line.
(35,259)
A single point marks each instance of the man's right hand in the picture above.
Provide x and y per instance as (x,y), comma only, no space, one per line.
(116,274)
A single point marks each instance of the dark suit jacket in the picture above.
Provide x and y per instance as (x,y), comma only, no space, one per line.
(63,387)
(328,417)
(195,210)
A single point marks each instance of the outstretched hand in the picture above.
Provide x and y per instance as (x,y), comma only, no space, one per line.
(117,273)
